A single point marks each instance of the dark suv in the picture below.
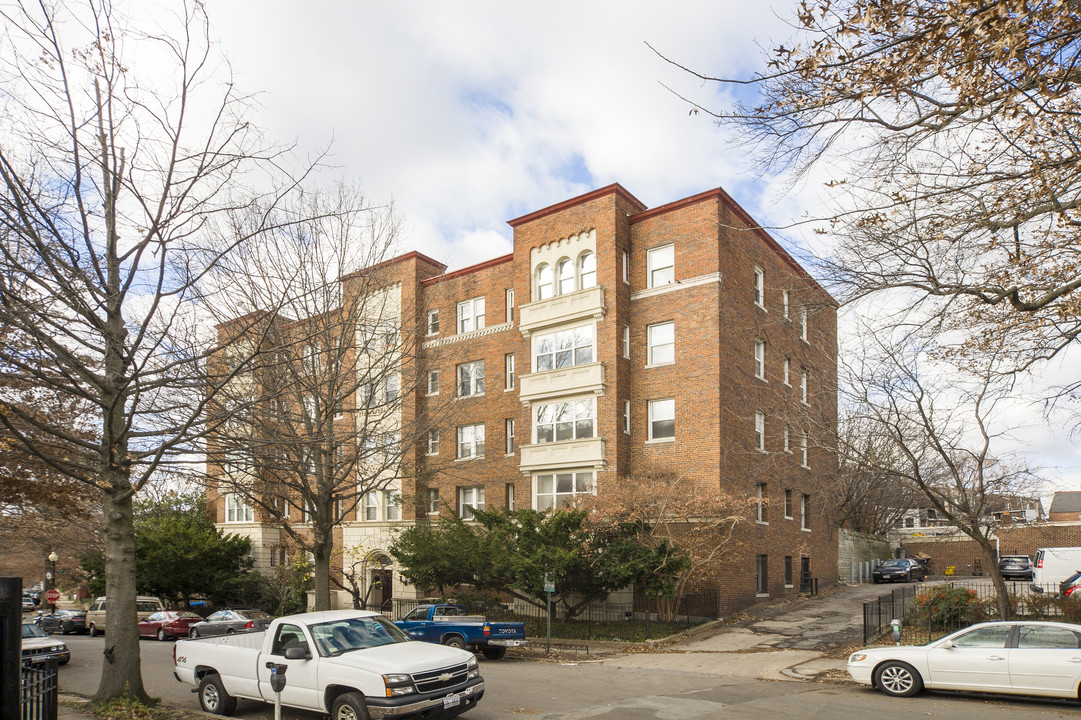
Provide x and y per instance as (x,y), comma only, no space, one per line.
(1016,567)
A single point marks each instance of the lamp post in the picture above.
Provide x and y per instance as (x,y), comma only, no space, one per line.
(53,557)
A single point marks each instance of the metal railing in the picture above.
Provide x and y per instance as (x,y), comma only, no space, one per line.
(39,690)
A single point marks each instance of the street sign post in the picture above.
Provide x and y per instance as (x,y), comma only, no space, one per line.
(52,595)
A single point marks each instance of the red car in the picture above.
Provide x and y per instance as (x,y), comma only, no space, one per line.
(168,624)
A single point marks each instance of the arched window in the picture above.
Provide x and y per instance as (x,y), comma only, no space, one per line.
(566,276)
(587,271)
(544,282)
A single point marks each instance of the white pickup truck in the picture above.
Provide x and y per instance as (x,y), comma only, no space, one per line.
(351,664)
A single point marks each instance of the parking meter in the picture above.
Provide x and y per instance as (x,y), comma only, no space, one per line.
(896,625)
(277,684)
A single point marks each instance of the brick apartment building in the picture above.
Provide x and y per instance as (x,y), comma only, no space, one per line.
(613,340)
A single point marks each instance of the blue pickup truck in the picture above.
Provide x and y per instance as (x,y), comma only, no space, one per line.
(452,625)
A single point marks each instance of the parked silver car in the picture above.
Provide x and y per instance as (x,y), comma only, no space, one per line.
(227,622)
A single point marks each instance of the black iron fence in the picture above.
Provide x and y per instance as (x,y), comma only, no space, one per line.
(39,690)
(929,612)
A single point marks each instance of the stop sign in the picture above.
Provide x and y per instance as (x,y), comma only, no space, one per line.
(51,596)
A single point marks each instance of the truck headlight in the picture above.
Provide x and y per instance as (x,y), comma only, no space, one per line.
(472,668)
(398,684)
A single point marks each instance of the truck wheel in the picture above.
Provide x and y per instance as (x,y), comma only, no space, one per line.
(454,641)
(213,698)
(93,630)
(350,706)
(495,653)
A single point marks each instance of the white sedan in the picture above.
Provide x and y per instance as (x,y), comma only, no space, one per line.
(1021,658)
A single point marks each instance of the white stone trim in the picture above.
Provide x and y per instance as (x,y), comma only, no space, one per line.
(677,285)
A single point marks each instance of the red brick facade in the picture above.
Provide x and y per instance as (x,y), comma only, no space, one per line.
(715,380)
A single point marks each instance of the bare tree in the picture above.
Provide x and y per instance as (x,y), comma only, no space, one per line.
(112,172)
(949,134)
(319,425)
(939,434)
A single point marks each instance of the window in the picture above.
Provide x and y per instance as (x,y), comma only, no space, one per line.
(468,499)
(760,431)
(471,315)
(508,372)
(433,322)
(390,390)
(762,574)
(433,442)
(626,267)
(784,304)
(1043,636)
(471,441)
(803,324)
(564,349)
(310,359)
(804,512)
(390,336)
(627,341)
(760,359)
(471,378)
(433,501)
(555,490)
(371,506)
(545,284)
(508,496)
(565,275)
(662,343)
(803,450)
(787,504)
(803,386)
(587,271)
(986,637)
(392,502)
(238,509)
(237,464)
(627,416)
(509,425)
(433,382)
(508,295)
(761,512)
(661,263)
(787,447)
(787,371)
(662,419)
(571,420)
(309,404)
(760,287)
(788,571)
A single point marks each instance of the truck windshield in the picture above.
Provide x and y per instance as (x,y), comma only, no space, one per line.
(342,636)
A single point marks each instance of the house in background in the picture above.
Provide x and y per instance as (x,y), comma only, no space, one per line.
(1065,506)
(614,340)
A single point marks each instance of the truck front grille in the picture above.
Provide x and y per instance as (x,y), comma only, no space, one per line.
(435,680)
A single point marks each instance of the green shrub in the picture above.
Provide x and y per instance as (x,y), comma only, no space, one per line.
(944,607)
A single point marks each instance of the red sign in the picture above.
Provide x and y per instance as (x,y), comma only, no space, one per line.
(51,596)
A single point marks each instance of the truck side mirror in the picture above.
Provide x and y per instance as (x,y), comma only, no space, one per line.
(297,653)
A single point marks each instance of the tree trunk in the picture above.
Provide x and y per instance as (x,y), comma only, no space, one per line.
(323,547)
(120,673)
(990,560)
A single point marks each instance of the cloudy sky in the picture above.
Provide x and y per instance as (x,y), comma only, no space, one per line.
(468,114)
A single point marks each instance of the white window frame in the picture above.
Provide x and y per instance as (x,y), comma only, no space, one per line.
(804,518)
(433,382)
(508,496)
(760,431)
(544,280)
(470,498)
(392,505)
(761,497)
(586,279)
(474,384)
(651,332)
(508,296)
(803,386)
(803,450)
(433,441)
(760,359)
(759,287)
(433,322)
(573,412)
(582,482)
(508,428)
(471,315)
(626,267)
(508,371)
(788,503)
(803,324)
(238,509)
(565,276)
(392,389)
(660,406)
(573,350)
(471,439)
(661,265)
(627,417)
(787,446)
(627,341)
(433,501)
(370,506)
(788,372)
(785,304)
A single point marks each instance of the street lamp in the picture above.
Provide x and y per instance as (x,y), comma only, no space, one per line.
(53,557)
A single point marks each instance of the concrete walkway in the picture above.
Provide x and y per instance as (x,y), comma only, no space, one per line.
(784,641)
